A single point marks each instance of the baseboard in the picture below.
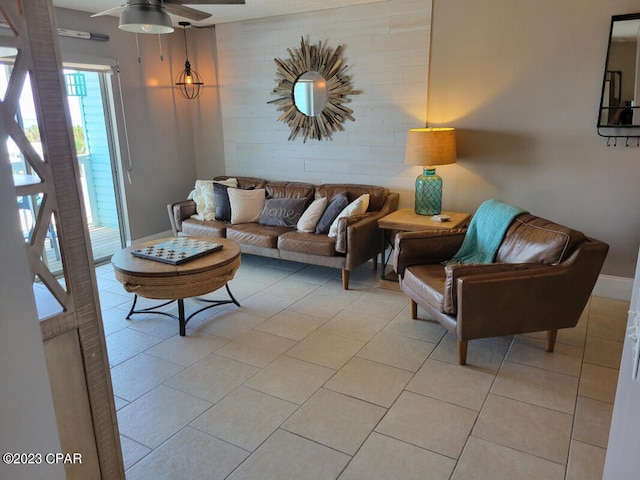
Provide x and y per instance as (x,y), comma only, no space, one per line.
(165,234)
(618,288)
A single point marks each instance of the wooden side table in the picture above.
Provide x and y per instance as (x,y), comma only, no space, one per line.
(407,220)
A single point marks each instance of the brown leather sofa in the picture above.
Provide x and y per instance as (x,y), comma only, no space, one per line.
(357,240)
(541,280)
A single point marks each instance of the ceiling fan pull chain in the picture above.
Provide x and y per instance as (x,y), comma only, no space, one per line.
(138,48)
(160,45)
(124,124)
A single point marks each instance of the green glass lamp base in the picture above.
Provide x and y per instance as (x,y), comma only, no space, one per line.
(428,192)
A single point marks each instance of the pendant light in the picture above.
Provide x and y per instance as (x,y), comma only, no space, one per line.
(188,81)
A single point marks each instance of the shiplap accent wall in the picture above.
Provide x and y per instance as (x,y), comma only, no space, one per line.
(387,49)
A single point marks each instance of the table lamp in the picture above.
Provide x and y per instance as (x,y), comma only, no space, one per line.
(430,147)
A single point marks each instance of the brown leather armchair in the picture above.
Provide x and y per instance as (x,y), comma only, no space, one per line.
(541,280)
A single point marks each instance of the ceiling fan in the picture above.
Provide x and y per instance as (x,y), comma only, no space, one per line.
(151,16)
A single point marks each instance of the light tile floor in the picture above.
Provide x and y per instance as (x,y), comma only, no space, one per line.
(308,381)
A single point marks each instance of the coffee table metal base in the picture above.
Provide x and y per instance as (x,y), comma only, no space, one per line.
(181,317)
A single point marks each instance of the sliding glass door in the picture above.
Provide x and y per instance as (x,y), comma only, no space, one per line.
(90,107)
(89,104)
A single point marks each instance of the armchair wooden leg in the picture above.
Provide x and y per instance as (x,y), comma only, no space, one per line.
(413,308)
(374,260)
(462,352)
(345,279)
(551,339)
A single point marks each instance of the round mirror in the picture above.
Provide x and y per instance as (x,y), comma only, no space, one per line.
(310,93)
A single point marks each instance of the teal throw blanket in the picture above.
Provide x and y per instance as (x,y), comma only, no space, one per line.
(486,231)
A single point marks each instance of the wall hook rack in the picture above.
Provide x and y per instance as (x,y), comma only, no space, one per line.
(628,142)
(619,109)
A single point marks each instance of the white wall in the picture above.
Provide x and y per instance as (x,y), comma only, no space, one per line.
(208,142)
(521,81)
(159,121)
(387,51)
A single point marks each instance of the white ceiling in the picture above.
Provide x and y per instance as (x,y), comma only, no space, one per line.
(228,13)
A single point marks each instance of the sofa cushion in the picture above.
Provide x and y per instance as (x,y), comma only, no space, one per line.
(246,205)
(282,212)
(334,207)
(531,239)
(256,234)
(312,243)
(428,281)
(311,215)
(245,183)
(290,190)
(195,227)
(377,195)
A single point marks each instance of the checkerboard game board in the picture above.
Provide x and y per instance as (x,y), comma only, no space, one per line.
(177,250)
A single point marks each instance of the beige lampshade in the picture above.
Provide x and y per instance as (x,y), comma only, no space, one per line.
(430,146)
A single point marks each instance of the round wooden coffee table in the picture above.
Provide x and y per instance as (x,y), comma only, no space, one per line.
(157,280)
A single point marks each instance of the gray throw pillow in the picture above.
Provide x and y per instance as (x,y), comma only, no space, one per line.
(282,212)
(335,206)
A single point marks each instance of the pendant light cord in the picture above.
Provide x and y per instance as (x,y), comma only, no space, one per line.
(138,49)
(186,52)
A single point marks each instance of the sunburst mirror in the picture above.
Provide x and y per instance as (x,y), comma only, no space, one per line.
(312,91)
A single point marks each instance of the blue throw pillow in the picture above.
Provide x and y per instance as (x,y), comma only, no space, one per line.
(223,206)
(282,212)
(335,206)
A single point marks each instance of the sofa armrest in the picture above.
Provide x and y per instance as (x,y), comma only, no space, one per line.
(178,212)
(427,246)
(491,304)
(344,225)
(359,236)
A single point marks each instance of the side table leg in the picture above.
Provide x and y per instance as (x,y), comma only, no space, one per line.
(211,304)
(382,254)
(233,299)
(133,307)
(181,319)
(384,258)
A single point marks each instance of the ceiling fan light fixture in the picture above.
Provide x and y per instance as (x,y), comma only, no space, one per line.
(145,18)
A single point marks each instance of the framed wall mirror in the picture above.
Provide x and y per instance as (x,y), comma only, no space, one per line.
(619,112)
(313,90)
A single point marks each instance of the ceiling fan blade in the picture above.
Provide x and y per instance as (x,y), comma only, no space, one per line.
(110,11)
(186,12)
(205,2)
